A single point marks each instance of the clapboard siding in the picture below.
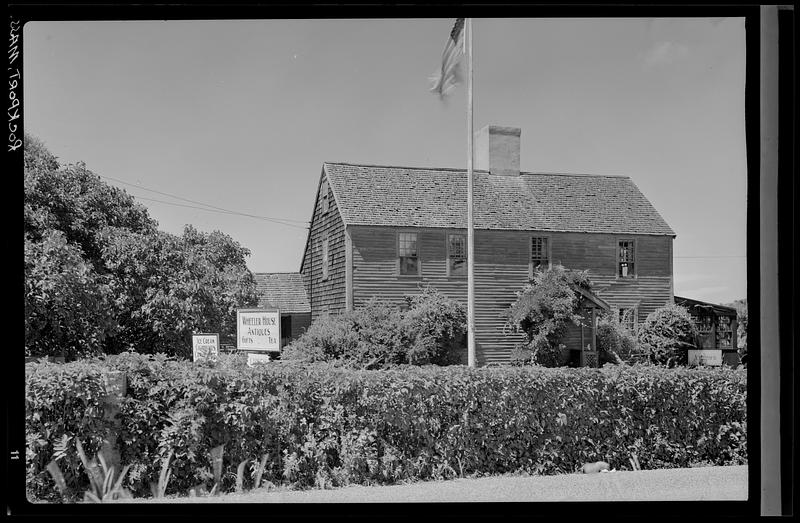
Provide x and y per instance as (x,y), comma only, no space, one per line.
(501,268)
(325,296)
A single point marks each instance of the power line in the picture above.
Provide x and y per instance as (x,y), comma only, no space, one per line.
(222,212)
(713,256)
(277,220)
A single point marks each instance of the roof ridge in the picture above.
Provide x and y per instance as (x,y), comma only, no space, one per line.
(455,169)
(460,170)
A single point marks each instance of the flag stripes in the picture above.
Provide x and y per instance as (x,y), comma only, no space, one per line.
(450,75)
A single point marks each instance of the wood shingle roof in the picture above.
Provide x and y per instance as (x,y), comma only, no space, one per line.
(282,290)
(422,197)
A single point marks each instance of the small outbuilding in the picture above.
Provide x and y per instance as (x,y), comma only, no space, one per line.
(717,325)
(285,291)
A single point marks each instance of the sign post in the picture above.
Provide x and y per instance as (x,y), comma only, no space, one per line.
(205,347)
(258,333)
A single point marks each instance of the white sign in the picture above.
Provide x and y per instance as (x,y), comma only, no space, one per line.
(254,358)
(205,346)
(258,330)
(705,357)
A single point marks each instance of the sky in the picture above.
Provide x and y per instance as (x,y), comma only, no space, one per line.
(241,114)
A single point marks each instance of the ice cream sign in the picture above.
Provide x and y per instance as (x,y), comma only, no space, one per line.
(205,346)
(258,330)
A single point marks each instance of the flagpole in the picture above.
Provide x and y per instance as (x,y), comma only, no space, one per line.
(470,232)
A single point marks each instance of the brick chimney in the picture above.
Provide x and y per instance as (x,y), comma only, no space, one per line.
(497,150)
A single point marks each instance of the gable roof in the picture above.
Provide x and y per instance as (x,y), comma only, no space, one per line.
(422,197)
(282,290)
(690,304)
(592,297)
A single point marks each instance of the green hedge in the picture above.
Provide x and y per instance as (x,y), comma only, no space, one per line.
(326,426)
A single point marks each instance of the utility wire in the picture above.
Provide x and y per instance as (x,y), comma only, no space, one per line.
(222,212)
(713,256)
(278,220)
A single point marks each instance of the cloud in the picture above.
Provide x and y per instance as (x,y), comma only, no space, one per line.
(663,53)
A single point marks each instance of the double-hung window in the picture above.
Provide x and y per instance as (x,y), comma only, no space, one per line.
(540,253)
(626,259)
(456,255)
(408,253)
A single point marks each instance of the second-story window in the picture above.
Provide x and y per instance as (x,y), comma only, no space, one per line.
(456,255)
(408,253)
(540,253)
(325,258)
(325,194)
(626,259)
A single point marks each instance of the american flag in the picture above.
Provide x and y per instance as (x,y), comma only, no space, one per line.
(444,80)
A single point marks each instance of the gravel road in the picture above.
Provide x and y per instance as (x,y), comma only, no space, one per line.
(692,484)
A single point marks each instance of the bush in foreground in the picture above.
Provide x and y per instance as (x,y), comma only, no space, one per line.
(319,425)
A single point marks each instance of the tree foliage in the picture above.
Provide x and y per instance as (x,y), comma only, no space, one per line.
(76,202)
(99,276)
(170,286)
(69,309)
(542,310)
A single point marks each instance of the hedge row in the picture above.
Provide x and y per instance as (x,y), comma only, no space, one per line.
(325,426)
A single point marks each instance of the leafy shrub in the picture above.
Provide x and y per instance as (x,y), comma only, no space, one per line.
(430,331)
(320,425)
(667,334)
(436,327)
(542,310)
(62,402)
(615,341)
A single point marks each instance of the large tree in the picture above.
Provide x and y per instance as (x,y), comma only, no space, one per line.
(100,276)
(75,201)
(170,286)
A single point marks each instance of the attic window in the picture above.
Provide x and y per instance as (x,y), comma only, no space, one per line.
(626,259)
(325,193)
(325,260)
(408,254)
